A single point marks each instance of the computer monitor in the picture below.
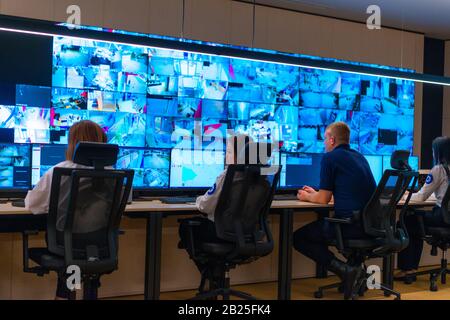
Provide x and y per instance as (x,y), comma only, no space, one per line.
(299,170)
(195,168)
(376,166)
(6,135)
(413,161)
(43,158)
(14,167)
(33,96)
(151,166)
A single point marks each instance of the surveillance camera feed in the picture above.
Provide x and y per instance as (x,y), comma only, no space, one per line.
(160,104)
(15,166)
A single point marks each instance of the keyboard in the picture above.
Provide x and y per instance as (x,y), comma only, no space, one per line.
(289,196)
(176,200)
(18,203)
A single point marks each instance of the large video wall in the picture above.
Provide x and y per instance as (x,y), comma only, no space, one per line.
(147,99)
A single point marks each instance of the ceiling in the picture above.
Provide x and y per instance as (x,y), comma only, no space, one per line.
(430,17)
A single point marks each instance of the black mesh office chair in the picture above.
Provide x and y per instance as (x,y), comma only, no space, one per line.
(438,237)
(86,206)
(378,220)
(241,222)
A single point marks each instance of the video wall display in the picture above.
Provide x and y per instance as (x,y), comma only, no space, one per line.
(15,167)
(152,101)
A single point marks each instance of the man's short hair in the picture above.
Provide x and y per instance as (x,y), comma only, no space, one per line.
(341,131)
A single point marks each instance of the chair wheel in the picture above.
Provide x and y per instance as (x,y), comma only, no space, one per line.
(355,296)
(398,298)
(318,294)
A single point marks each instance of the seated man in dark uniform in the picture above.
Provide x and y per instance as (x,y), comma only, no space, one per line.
(345,175)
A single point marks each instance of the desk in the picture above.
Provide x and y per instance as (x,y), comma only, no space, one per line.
(20,219)
(13,219)
(155,211)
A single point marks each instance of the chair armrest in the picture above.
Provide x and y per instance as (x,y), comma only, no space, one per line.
(338,222)
(25,241)
(40,271)
(190,241)
(422,231)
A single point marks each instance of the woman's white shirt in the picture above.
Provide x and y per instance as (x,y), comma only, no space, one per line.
(436,182)
(207,203)
(38,199)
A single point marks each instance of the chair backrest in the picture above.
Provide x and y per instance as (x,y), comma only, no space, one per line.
(379,215)
(444,205)
(243,206)
(86,206)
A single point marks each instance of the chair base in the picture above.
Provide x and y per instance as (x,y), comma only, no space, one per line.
(225,293)
(90,284)
(435,274)
(359,291)
(90,290)
(219,285)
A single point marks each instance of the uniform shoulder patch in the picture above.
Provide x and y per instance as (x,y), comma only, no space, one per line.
(429,179)
(212,190)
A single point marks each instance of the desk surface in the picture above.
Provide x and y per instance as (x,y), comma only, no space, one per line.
(158,206)
(8,209)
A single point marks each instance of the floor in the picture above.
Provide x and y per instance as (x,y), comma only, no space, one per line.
(304,290)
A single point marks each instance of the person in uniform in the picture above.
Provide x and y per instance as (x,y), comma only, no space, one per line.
(345,175)
(206,204)
(38,199)
(437,183)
